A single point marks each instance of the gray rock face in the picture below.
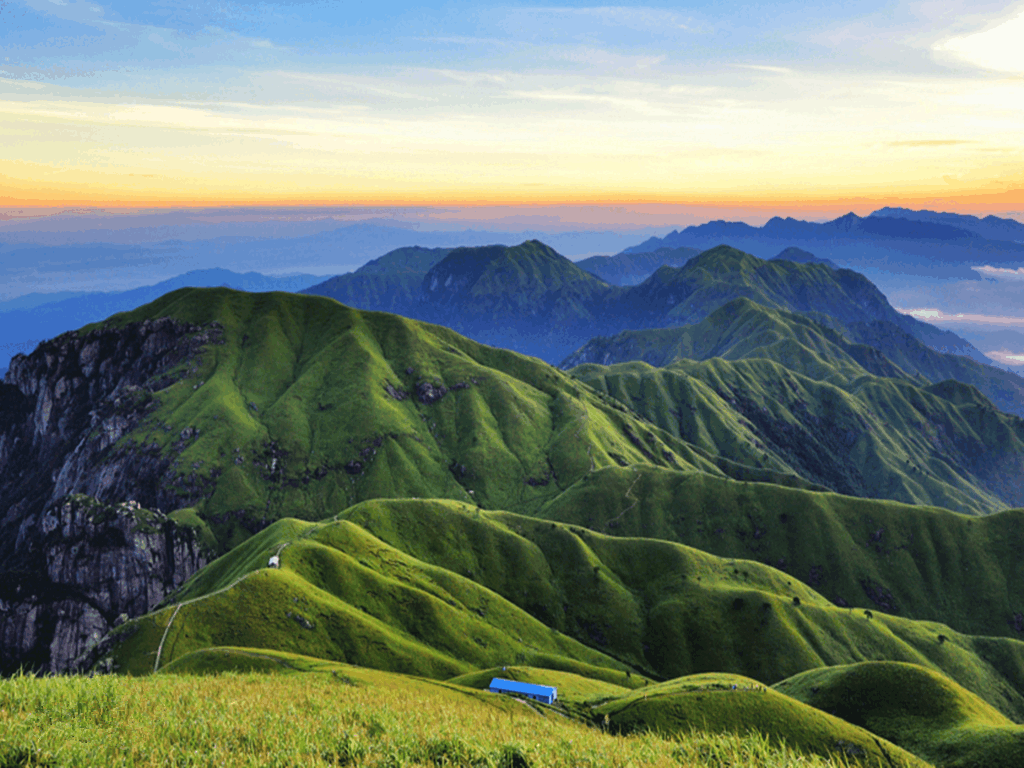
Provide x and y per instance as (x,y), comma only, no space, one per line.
(65,575)
(100,561)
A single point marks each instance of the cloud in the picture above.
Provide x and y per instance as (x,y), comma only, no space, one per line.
(939,317)
(1006,356)
(998,48)
(1000,273)
(764,68)
(929,142)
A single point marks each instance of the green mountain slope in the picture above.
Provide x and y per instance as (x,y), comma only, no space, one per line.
(843,300)
(740,329)
(918,562)
(924,712)
(391,283)
(441,588)
(308,406)
(775,389)
(531,299)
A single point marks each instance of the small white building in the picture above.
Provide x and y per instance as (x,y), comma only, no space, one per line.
(275,562)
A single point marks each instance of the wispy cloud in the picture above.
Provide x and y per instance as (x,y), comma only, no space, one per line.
(940,317)
(929,142)
(1007,357)
(764,68)
(636,18)
(1000,273)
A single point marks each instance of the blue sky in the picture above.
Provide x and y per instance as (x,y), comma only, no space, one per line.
(360,103)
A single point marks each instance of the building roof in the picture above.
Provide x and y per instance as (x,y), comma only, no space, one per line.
(517,687)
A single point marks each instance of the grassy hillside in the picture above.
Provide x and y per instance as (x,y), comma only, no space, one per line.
(331,715)
(309,406)
(440,589)
(843,300)
(776,390)
(918,562)
(914,707)
(734,704)
(742,329)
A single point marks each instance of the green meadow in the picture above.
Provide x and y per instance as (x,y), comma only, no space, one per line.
(297,711)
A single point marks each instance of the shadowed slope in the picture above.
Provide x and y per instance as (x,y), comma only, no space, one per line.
(723,703)
(634,268)
(918,562)
(842,300)
(782,392)
(924,712)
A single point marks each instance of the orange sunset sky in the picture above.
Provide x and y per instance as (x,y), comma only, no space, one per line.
(729,110)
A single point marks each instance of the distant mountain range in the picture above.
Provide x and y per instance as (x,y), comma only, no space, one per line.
(924,245)
(990,227)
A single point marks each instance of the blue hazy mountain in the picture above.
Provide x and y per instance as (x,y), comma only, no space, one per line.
(800,256)
(390,283)
(894,245)
(634,268)
(990,227)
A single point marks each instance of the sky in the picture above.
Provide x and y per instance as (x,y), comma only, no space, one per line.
(804,109)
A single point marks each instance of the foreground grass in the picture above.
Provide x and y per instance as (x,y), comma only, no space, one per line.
(348,716)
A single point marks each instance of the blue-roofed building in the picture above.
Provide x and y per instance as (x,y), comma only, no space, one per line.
(544,693)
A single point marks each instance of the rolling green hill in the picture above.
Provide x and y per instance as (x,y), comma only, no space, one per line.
(533,300)
(922,563)
(741,329)
(443,509)
(924,712)
(442,589)
(774,389)
(722,703)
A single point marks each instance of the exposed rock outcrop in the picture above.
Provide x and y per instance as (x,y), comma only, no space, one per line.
(63,412)
(99,561)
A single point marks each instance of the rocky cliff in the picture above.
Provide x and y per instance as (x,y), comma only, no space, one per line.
(70,565)
(100,564)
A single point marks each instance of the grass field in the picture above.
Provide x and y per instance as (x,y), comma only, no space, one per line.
(330,715)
